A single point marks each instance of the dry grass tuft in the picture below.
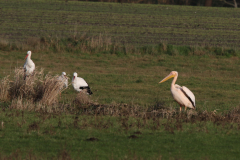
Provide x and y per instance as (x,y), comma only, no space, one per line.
(234,115)
(20,87)
(191,113)
(100,41)
(49,90)
(4,89)
(83,100)
(38,91)
(20,103)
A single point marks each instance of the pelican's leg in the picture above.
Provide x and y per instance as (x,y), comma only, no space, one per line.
(185,108)
(180,108)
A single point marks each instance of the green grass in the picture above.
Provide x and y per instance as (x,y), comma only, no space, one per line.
(135,24)
(134,79)
(202,44)
(119,146)
(48,135)
(131,79)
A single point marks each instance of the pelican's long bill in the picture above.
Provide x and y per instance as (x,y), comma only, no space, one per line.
(167,78)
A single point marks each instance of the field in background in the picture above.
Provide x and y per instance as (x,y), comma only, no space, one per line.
(126,23)
(122,51)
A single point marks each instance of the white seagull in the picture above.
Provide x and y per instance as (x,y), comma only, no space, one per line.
(29,66)
(64,79)
(80,84)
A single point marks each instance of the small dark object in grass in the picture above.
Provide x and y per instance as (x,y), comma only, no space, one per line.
(139,81)
(137,132)
(92,139)
(133,136)
(34,126)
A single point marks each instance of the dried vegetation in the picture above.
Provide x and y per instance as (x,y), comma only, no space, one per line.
(104,44)
(4,88)
(37,91)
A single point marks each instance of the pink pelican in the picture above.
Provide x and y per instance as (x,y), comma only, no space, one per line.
(183,96)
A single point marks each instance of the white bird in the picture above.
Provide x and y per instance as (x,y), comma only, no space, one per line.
(64,79)
(80,84)
(29,66)
(182,95)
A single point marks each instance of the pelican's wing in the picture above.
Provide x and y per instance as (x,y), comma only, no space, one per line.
(177,86)
(190,95)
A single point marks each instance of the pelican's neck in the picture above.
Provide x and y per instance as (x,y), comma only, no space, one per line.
(174,80)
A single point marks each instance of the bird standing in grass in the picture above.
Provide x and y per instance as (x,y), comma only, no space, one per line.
(29,66)
(183,96)
(79,84)
(64,79)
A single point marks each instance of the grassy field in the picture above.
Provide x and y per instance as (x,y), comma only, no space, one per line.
(52,135)
(134,79)
(122,51)
(125,23)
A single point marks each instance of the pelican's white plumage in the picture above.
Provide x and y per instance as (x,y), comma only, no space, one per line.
(29,65)
(64,79)
(182,95)
(80,84)
(190,94)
